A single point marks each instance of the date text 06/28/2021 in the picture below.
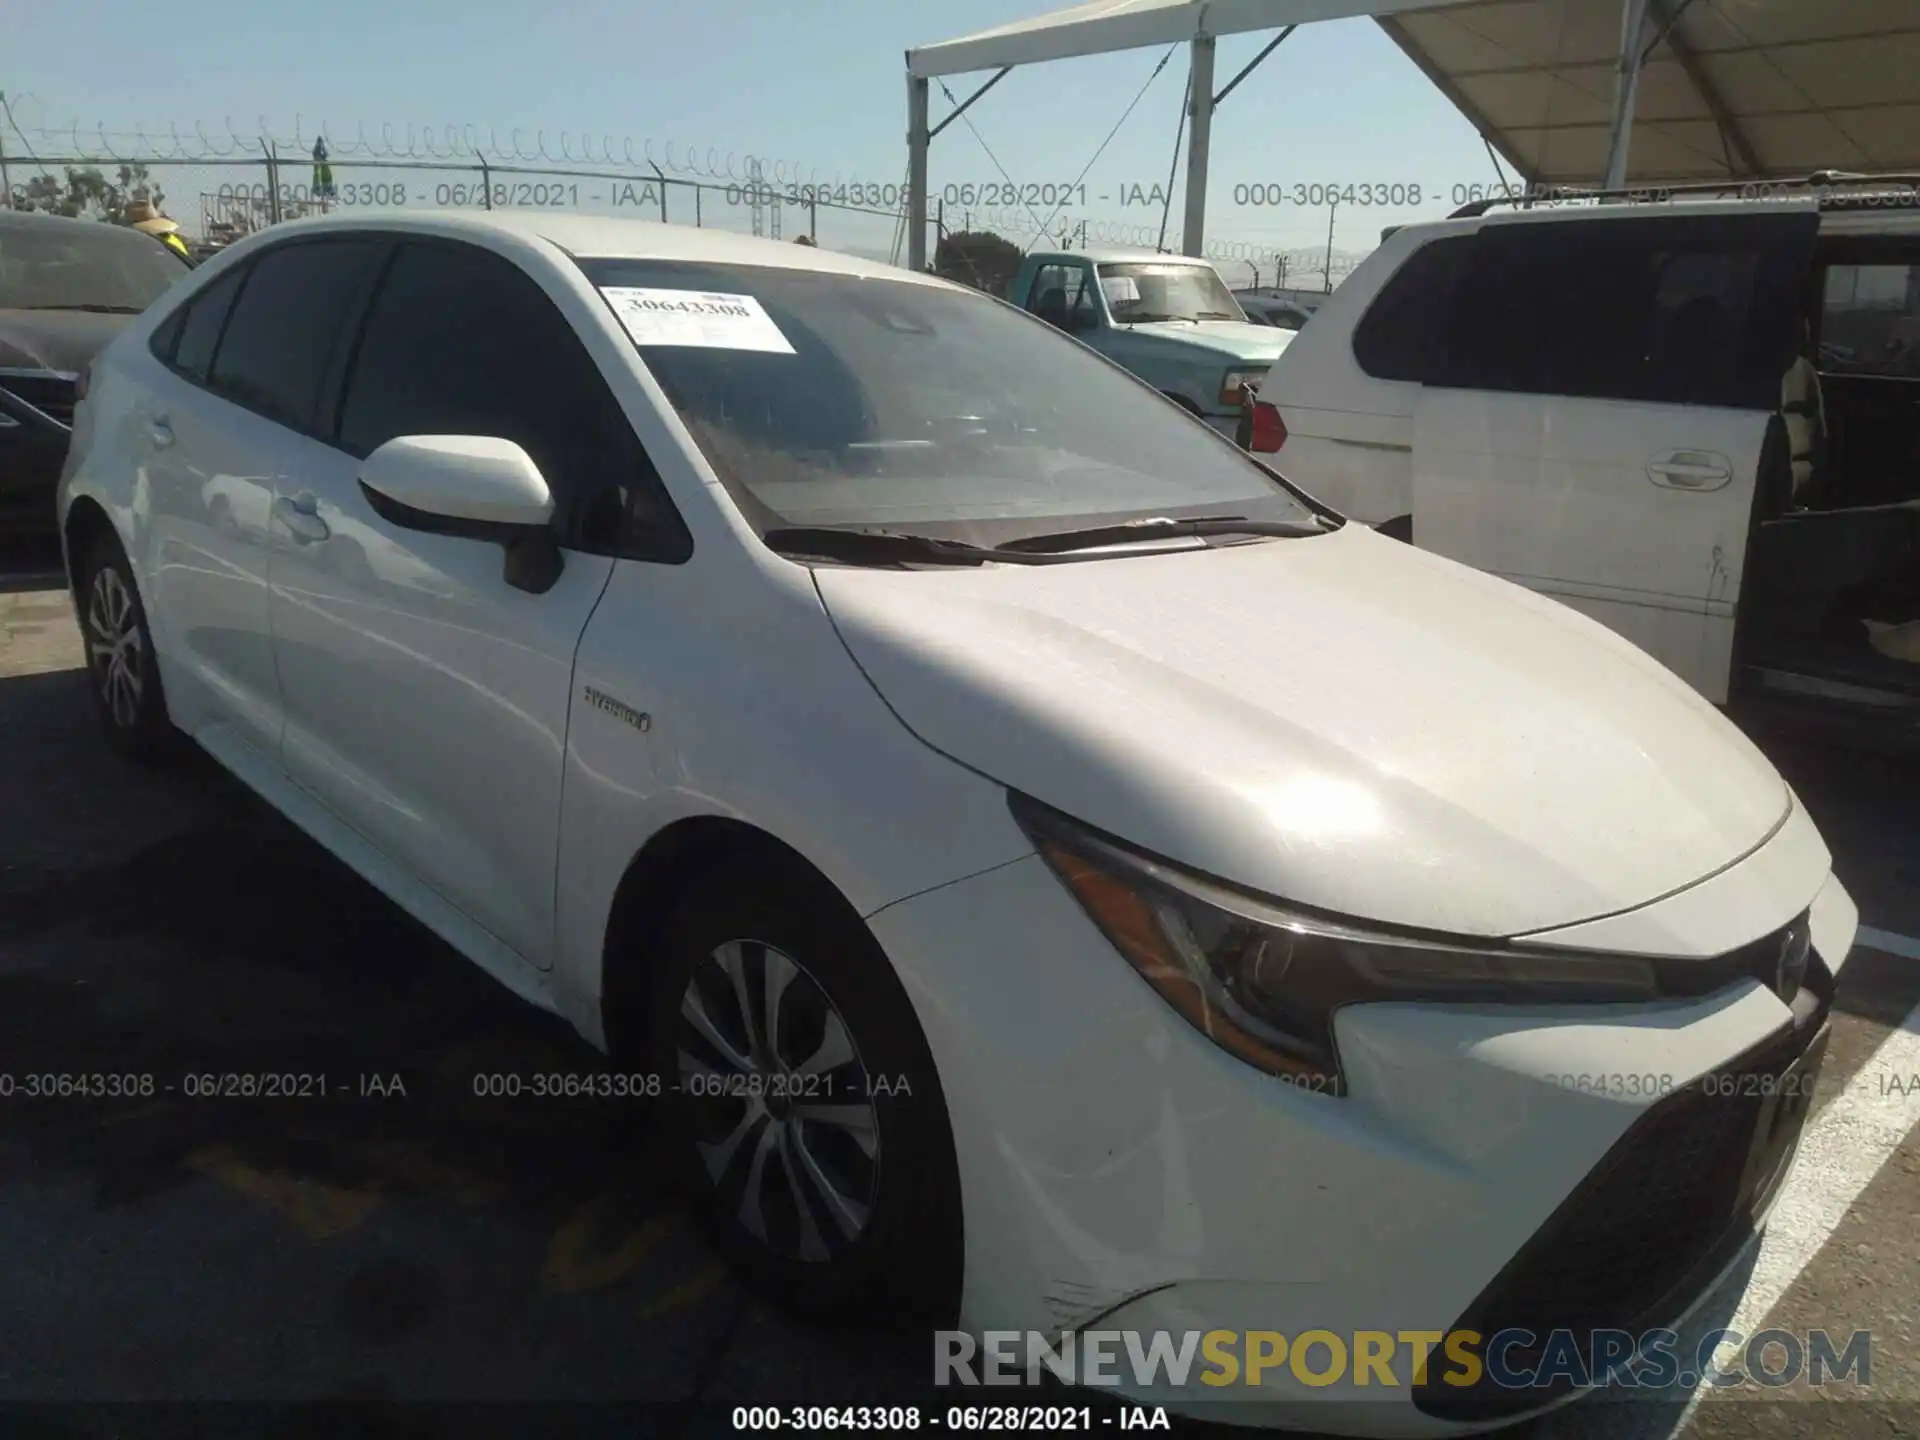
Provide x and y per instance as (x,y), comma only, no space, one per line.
(972,1417)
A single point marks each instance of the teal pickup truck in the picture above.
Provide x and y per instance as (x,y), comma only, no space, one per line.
(1170,319)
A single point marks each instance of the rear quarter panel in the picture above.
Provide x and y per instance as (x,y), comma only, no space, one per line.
(1349,435)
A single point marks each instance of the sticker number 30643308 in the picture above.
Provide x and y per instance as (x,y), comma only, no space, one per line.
(696,317)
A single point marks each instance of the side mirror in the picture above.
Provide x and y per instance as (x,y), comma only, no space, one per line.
(477,487)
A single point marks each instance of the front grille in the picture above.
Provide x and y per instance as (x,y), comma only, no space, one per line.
(47,391)
(1661,1214)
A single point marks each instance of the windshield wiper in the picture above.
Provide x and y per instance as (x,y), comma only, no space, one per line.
(90,309)
(886,547)
(1218,315)
(1145,532)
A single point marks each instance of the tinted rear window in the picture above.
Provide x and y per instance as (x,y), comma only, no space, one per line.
(200,327)
(1396,338)
(291,316)
(84,265)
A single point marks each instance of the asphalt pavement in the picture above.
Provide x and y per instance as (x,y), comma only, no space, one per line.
(391,1234)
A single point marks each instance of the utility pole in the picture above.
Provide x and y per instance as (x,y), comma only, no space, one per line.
(6,180)
(1332,211)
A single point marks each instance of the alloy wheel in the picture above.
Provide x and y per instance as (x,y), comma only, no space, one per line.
(115,646)
(785,1122)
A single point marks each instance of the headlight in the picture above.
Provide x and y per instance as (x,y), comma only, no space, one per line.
(1230,387)
(1262,981)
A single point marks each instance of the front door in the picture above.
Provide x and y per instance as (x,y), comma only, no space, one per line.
(427,699)
(1593,426)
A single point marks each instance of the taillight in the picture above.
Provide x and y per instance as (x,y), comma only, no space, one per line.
(1269,430)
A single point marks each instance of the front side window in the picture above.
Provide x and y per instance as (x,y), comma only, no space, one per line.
(83,265)
(1146,291)
(1062,295)
(292,315)
(461,341)
(855,401)
(1870,320)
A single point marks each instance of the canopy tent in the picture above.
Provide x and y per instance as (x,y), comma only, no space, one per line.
(1564,90)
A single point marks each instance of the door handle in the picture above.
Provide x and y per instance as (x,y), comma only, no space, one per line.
(161,431)
(1690,470)
(300,514)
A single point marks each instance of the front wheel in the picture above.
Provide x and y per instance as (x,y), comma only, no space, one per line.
(803,1105)
(120,661)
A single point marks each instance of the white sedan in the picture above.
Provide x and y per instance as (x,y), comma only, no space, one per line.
(1044,868)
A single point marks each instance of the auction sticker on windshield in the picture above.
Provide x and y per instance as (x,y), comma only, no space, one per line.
(695,317)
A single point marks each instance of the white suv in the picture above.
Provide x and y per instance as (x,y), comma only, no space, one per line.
(1025,852)
(1697,421)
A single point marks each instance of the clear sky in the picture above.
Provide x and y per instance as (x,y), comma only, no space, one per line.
(813,87)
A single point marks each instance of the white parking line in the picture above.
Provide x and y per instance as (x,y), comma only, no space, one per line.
(1886,940)
(1842,1150)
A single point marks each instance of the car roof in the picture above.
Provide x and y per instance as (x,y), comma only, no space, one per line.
(603,237)
(1120,255)
(11,219)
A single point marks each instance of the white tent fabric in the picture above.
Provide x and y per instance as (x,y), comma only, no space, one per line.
(1730,88)
(1735,88)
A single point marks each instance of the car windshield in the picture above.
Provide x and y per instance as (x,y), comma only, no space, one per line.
(1150,290)
(83,266)
(826,399)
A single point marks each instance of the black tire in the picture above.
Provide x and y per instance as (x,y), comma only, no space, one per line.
(122,674)
(904,1257)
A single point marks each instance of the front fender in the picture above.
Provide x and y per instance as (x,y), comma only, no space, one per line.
(755,712)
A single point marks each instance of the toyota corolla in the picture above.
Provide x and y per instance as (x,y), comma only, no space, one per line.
(1043,867)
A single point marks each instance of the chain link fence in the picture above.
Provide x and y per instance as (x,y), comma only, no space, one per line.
(219,193)
(216,200)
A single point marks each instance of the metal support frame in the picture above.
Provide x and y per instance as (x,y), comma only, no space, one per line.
(1201,103)
(1193,220)
(1626,89)
(962,107)
(919,138)
(917,141)
(1741,157)
(1253,64)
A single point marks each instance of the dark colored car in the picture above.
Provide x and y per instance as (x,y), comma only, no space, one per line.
(67,287)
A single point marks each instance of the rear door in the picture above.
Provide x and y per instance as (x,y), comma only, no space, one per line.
(1592,423)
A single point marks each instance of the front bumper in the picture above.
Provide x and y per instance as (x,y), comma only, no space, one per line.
(1119,1172)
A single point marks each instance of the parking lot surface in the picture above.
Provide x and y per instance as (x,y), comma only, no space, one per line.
(390,1233)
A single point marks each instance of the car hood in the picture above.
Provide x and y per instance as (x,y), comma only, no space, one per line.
(55,339)
(1234,339)
(1341,721)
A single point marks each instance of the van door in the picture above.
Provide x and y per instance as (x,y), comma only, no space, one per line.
(1593,426)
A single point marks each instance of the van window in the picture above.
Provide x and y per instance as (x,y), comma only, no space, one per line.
(1394,340)
(1693,310)
(1870,320)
